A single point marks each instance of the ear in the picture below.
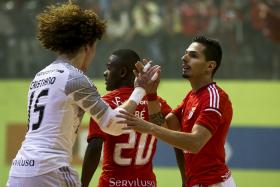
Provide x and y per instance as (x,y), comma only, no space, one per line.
(86,48)
(211,65)
(123,72)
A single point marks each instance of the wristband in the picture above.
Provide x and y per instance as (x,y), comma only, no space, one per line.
(151,96)
(137,95)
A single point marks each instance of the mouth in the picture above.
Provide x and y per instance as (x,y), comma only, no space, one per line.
(185,67)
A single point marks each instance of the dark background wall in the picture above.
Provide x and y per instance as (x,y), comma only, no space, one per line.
(160,30)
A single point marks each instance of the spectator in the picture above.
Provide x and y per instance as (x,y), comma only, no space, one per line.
(147,24)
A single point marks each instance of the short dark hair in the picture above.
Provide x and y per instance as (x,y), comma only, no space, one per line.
(127,57)
(65,28)
(213,50)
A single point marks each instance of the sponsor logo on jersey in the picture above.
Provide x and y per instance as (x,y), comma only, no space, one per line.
(117,101)
(23,162)
(131,182)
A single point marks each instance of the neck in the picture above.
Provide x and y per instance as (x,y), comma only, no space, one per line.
(127,84)
(76,60)
(197,84)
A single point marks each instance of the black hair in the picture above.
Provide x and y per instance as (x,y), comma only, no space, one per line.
(127,58)
(212,51)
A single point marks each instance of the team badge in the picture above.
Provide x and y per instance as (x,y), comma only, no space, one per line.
(191,112)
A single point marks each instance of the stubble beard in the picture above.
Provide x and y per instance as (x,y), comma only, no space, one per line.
(185,76)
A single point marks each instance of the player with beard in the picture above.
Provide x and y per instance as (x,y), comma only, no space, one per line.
(128,157)
(204,116)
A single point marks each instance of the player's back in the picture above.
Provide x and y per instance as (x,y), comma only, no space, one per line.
(53,121)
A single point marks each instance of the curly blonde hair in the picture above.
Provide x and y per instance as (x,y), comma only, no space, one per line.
(65,28)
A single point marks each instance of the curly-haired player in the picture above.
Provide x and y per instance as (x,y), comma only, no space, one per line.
(60,94)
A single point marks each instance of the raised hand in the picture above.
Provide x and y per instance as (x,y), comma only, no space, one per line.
(147,76)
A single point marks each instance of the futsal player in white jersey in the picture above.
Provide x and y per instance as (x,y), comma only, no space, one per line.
(60,94)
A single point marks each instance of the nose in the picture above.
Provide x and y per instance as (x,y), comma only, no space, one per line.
(184,58)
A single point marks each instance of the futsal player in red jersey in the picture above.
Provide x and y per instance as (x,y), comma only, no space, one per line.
(204,117)
(128,157)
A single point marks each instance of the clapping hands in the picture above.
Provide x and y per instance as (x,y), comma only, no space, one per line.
(147,76)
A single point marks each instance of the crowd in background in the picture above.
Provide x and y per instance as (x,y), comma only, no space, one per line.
(156,29)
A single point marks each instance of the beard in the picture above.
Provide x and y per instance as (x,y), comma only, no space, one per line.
(186,76)
(186,73)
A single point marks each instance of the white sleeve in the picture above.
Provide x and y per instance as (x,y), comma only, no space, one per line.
(86,96)
(108,122)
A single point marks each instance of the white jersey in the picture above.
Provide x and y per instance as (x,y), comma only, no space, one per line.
(57,99)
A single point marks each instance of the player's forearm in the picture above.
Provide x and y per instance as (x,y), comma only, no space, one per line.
(111,126)
(155,115)
(103,114)
(180,140)
(135,98)
(129,106)
(91,160)
(86,96)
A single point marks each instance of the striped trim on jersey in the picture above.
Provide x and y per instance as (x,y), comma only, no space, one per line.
(70,182)
(214,102)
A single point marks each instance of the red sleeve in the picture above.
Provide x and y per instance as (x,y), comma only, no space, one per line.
(94,129)
(165,108)
(210,120)
(210,113)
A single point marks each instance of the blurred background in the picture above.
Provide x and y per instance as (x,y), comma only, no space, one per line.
(161,30)
(158,29)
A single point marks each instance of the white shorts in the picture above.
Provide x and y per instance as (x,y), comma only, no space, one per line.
(62,177)
(227,183)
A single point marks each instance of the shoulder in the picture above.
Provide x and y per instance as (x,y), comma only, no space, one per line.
(112,94)
(214,96)
(163,101)
(122,93)
(109,97)
(77,80)
(117,97)
(214,91)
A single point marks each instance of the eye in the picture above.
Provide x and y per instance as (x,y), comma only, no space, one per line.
(108,67)
(193,55)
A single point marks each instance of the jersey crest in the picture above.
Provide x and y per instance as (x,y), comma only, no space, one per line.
(191,112)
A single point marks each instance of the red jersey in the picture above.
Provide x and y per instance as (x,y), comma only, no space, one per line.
(128,157)
(210,107)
